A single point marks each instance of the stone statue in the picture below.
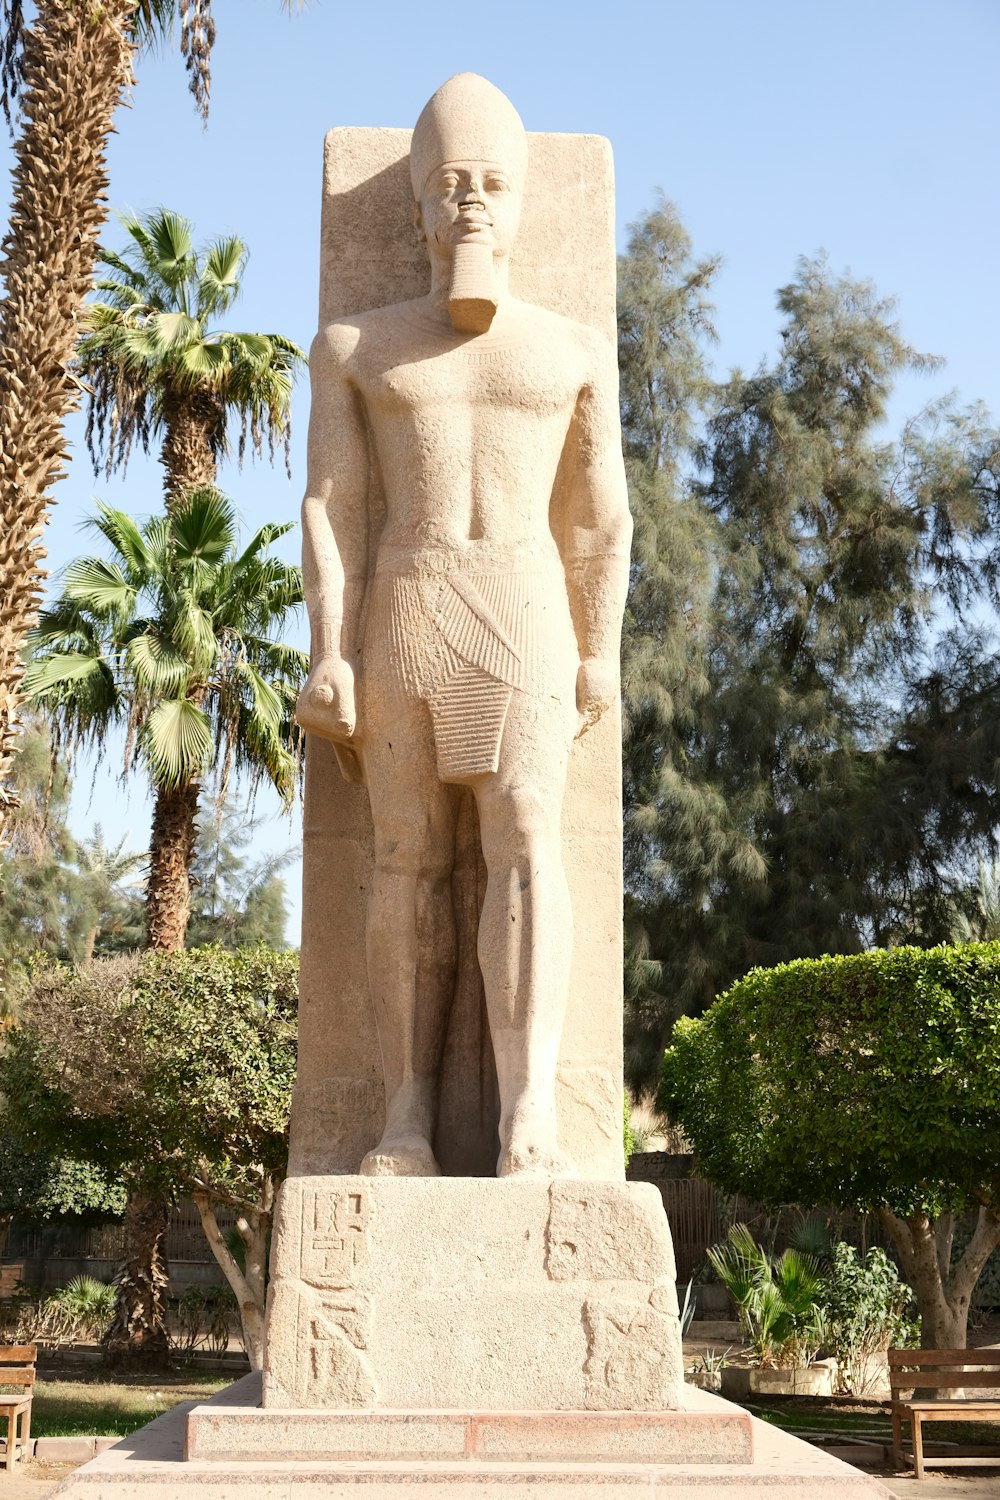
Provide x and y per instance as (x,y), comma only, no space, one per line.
(479,638)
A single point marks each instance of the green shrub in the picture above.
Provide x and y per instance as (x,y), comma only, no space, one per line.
(859,1080)
(628,1137)
(864,1309)
(778,1298)
(870,1081)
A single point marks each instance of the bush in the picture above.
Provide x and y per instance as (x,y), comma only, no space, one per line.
(864,1310)
(78,1313)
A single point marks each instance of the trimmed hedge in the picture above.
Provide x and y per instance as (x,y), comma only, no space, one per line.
(861,1080)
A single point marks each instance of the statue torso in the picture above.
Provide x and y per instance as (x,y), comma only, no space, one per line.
(468,432)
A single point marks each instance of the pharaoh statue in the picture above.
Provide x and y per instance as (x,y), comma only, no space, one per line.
(459,638)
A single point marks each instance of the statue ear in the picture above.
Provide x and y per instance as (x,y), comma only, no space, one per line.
(418,223)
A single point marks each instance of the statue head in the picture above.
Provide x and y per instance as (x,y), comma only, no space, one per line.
(468,160)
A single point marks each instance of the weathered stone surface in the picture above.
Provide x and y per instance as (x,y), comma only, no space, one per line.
(588,1224)
(235,1434)
(463,1293)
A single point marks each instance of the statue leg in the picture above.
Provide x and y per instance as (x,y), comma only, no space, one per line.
(411,936)
(526,932)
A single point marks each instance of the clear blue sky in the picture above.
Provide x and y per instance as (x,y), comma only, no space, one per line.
(868,128)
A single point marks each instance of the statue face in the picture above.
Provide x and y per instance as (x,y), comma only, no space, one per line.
(469,202)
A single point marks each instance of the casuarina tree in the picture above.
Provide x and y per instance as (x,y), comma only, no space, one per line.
(814,757)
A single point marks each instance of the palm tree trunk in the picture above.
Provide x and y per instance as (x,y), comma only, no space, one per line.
(192,421)
(77,64)
(137,1338)
(168,891)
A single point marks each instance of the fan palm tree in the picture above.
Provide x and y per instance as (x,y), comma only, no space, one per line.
(69,69)
(156,366)
(173,636)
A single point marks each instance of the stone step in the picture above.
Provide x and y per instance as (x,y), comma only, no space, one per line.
(468,1481)
(669,1437)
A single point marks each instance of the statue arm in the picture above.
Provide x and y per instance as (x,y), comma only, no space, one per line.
(334,537)
(597,536)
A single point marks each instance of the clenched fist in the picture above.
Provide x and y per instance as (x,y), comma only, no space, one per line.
(326,704)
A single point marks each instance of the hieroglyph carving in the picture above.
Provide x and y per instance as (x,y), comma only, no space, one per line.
(466,534)
(314,1299)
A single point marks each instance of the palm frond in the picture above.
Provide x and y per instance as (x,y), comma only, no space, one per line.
(169,331)
(193,633)
(202,363)
(78,690)
(170,236)
(159,669)
(203,527)
(151,20)
(99,587)
(197,41)
(176,741)
(222,270)
(118,528)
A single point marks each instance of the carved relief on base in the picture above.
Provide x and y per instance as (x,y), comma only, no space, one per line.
(319,1326)
(633,1351)
(325,1361)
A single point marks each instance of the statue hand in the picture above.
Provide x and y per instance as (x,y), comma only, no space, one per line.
(596,690)
(326,704)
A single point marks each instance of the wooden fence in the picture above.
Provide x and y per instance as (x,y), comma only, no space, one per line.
(700,1216)
(185,1238)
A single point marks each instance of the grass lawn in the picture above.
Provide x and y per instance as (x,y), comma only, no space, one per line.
(94,1403)
(842,1416)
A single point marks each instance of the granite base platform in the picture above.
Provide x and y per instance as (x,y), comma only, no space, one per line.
(463,1456)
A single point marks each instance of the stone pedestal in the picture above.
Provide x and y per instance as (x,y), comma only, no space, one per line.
(230,1448)
(464,1294)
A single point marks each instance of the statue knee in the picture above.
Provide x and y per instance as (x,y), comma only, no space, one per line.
(516,823)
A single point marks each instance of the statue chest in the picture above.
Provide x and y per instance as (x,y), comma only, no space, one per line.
(477,377)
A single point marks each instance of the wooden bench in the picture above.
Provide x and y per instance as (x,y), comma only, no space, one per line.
(921,1370)
(17,1367)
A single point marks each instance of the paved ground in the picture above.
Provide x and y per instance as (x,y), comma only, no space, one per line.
(35,1481)
(31,1481)
(972,1486)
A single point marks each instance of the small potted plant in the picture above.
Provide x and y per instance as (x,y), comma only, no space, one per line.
(706,1372)
(780,1305)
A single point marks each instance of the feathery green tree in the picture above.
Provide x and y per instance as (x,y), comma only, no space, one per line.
(237,901)
(813,755)
(43,895)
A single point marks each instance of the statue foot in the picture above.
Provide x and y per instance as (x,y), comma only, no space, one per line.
(531,1151)
(401,1156)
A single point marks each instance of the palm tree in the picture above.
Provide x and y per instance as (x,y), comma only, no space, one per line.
(173,636)
(69,70)
(155,366)
(110,876)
